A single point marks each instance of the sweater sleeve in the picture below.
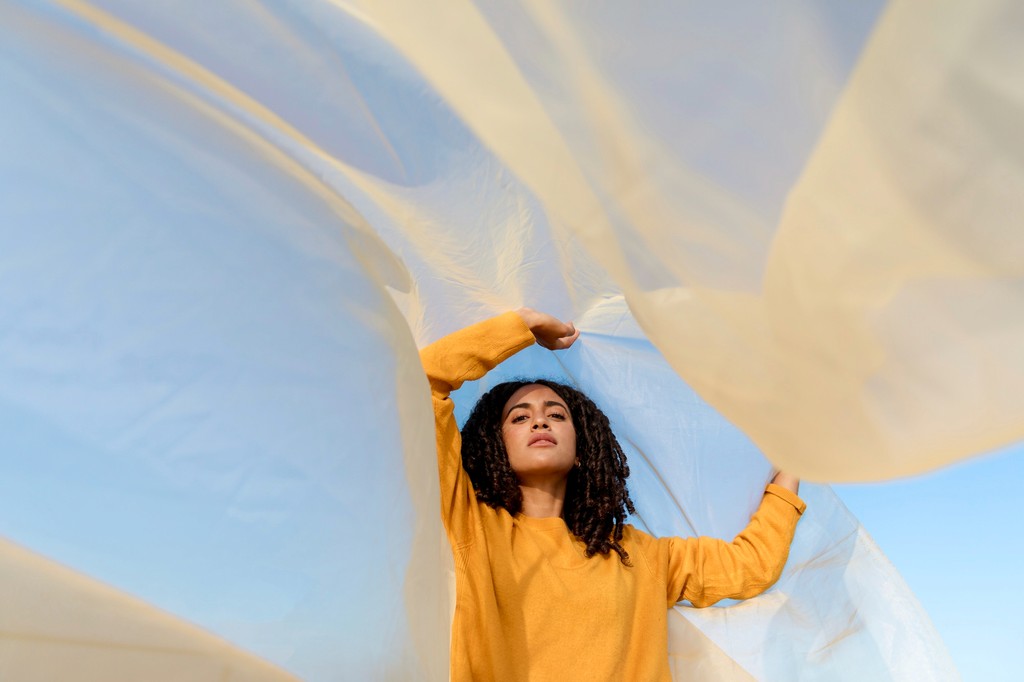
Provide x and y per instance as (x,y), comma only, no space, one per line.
(463,356)
(705,570)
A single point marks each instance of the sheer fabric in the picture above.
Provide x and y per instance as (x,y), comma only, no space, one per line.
(226,227)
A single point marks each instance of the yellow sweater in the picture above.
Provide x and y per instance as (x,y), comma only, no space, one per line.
(529,604)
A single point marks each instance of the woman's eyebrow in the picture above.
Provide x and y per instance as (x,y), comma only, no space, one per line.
(526,405)
(547,403)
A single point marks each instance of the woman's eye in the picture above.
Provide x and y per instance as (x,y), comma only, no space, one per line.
(518,418)
(557,415)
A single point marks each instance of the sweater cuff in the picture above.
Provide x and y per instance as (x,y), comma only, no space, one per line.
(787,495)
(514,331)
(511,320)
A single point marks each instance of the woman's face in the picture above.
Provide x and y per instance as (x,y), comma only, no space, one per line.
(538,432)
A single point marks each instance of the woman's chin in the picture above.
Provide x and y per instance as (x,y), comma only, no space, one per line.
(544,467)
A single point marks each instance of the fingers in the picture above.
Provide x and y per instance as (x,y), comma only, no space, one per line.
(550,332)
(568,333)
(787,481)
(562,342)
(561,338)
(574,334)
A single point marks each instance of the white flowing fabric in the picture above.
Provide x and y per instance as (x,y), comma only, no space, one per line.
(227,226)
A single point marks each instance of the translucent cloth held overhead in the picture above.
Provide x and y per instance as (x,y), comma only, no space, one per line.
(226,228)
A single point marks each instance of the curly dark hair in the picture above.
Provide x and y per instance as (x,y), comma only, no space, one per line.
(596,499)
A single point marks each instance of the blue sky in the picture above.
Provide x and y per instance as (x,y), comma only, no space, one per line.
(952,534)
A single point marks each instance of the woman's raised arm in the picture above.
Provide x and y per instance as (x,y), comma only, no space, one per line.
(705,570)
(467,355)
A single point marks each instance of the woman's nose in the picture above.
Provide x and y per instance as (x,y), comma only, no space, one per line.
(540,425)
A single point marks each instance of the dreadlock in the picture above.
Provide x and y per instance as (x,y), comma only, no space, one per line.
(596,499)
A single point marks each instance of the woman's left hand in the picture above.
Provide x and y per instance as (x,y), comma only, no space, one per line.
(787,481)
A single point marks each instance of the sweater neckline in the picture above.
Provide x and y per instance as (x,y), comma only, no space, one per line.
(545,523)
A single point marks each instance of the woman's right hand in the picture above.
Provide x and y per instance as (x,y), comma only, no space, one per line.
(549,331)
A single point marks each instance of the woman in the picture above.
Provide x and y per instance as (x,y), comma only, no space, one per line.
(550,582)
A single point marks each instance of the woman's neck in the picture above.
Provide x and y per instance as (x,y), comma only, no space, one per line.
(543,499)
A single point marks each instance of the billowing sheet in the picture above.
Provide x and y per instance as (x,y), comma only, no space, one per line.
(226,227)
